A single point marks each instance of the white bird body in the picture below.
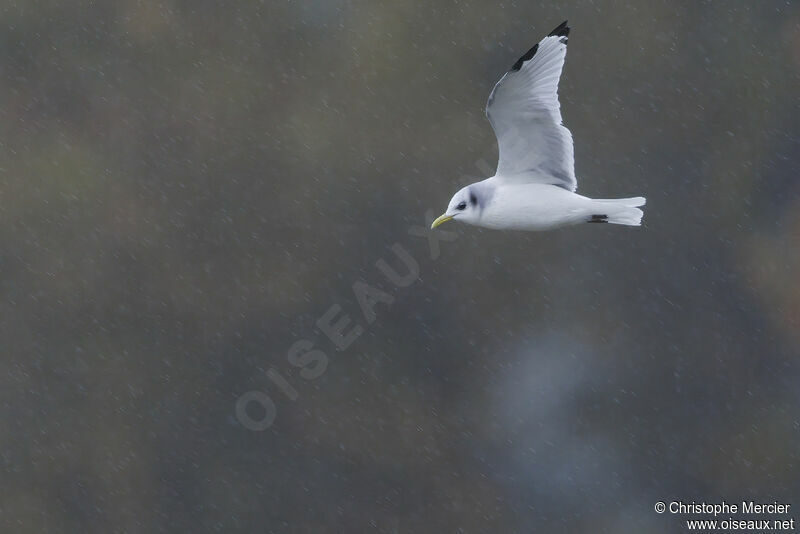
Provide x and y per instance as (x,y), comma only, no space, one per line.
(533,207)
(534,186)
(537,206)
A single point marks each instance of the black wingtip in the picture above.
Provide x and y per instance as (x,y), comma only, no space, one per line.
(529,54)
(561,31)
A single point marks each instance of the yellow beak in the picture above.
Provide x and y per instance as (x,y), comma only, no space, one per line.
(441,219)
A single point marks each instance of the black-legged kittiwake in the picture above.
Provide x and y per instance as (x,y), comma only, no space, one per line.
(534,185)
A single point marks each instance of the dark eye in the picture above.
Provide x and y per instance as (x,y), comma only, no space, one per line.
(461,205)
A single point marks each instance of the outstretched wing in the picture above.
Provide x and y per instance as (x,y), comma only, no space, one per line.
(526,116)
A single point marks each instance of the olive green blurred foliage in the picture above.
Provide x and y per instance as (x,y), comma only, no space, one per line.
(186,186)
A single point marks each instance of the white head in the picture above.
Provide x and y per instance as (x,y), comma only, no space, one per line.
(465,206)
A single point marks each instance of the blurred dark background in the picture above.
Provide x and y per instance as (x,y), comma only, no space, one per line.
(187,186)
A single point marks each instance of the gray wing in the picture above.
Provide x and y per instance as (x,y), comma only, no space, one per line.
(526,116)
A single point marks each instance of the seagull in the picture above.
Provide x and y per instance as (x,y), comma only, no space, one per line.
(534,185)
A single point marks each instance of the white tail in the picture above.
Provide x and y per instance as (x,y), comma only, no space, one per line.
(618,211)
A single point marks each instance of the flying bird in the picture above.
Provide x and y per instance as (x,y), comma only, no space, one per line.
(534,185)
